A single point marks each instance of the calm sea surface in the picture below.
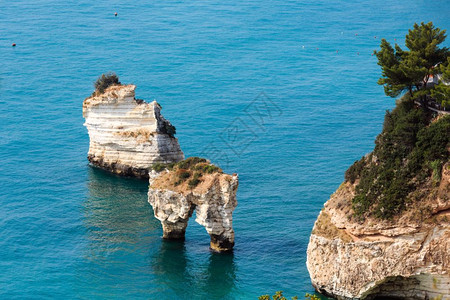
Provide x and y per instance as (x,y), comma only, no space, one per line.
(70,231)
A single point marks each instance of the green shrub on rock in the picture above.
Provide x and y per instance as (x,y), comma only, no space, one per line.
(190,162)
(195,180)
(158,167)
(106,80)
(279,296)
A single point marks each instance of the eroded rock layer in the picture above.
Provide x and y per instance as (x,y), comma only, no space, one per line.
(408,257)
(213,199)
(127,136)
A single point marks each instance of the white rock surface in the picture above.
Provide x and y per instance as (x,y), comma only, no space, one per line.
(213,201)
(127,136)
(399,258)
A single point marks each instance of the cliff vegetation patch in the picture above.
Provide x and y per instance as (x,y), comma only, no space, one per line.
(408,157)
(190,171)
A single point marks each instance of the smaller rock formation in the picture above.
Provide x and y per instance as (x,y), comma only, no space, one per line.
(177,190)
(127,135)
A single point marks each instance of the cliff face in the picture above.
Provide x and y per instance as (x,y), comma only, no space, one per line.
(406,257)
(386,231)
(176,193)
(127,136)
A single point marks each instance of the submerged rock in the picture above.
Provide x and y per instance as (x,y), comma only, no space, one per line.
(407,257)
(195,185)
(127,136)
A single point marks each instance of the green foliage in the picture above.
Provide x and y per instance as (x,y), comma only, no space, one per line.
(409,70)
(279,296)
(311,297)
(393,65)
(441,92)
(185,168)
(432,144)
(158,167)
(355,170)
(188,163)
(184,175)
(191,163)
(207,168)
(106,80)
(408,148)
(195,181)
(436,167)
(423,41)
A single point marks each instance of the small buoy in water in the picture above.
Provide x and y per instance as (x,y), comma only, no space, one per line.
(303,47)
(395,39)
(358,53)
(337,51)
(356,34)
(317,48)
(375,37)
(115,14)
(14,44)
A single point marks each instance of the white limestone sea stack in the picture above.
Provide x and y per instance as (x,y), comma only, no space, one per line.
(128,136)
(195,185)
(405,258)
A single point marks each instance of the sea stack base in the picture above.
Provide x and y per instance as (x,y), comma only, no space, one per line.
(174,231)
(221,244)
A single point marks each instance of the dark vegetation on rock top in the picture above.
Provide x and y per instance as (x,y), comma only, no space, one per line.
(106,80)
(109,79)
(191,168)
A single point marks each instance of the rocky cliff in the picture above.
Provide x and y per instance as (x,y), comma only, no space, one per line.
(127,136)
(407,258)
(177,190)
(386,231)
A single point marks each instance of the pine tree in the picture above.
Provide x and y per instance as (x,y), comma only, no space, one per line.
(393,68)
(410,70)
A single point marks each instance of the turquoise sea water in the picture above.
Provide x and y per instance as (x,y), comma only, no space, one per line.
(70,231)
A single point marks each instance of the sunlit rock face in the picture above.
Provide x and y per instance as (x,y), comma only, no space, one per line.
(407,257)
(127,136)
(213,200)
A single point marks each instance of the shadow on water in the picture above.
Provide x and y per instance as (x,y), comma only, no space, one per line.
(192,277)
(171,267)
(222,275)
(117,216)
